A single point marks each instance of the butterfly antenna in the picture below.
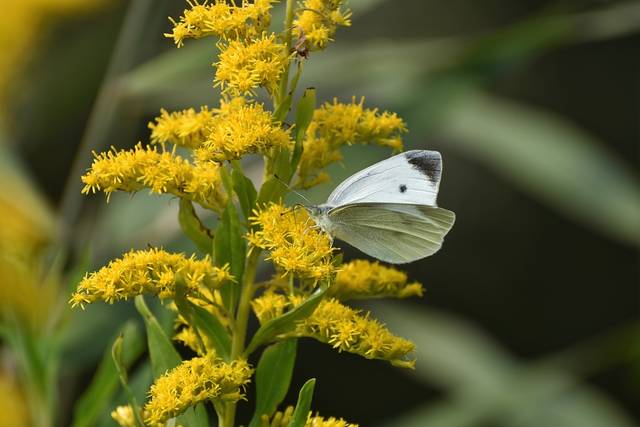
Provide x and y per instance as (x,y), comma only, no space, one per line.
(302,196)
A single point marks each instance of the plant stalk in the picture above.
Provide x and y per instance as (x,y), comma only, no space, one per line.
(288,39)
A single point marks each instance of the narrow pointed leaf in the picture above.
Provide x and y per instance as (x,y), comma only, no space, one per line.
(287,321)
(273,377)
(304,114)
(116,354)
(303,407)
(230,248)
(245,191)
(193,227)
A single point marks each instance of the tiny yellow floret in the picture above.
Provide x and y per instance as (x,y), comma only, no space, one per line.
(195,381)
(318,20)
(124,416)
(364,279)
(222,19)
(162,172)
(152,271)
(186,128)
(337,124)
(244,66)
(240,128)
(284,418)
(294,244)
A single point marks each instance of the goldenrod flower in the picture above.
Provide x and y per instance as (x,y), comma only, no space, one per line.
(187,128)
(222,19)
(294,244)
(161,172)
(244,66)
(124,416)
(283,419)
(345,329)
(13,403)
(337,124)
(152,271)
(269,306)
(318,20)
(364,279)
(240,128)
(194,381)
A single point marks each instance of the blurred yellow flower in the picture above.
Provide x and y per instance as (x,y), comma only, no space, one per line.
(13,405)
(151,271)
(365,279)
(161,172)
(244,66)
(294,243)
(318,20)
(124,416)
(223,20)
(335,125)
(284,418)
(194,381)
(241,128)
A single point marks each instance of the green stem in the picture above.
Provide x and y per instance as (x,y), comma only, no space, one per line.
(242,319)
(288,38)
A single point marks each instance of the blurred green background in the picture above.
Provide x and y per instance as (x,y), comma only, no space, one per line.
(531,312)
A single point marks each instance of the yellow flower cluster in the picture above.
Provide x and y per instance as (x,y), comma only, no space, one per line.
(342,327)
(187,128)
(124,416)
(240,128)
(337,124)
(222,19)
(364,279)
(244,66)
(161,172)
(151,271)
(283,419)
(294,245)
(318,20)
(194,381)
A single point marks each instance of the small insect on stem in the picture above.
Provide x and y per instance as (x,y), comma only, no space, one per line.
(300,48)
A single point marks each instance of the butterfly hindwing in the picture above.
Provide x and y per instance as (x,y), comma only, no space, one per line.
(394,233)
(412,177)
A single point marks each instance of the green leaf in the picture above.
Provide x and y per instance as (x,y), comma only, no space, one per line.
(121,368)
(281,112)
(303,407)
(193,227)
(96,399)
(273,377)
(230,248)
(208,324)
(287,321)
(550,158)
(271,190)
(245,190)
(164,357)
(304,114)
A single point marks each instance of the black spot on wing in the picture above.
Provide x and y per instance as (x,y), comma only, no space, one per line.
(428,164)
(403,188)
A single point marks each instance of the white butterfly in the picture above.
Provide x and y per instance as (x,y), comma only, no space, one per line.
(388,210)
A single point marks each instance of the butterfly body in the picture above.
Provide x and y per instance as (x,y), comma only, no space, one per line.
(389,209)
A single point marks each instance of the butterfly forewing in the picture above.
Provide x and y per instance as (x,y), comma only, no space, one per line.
(392,232)
(412,177)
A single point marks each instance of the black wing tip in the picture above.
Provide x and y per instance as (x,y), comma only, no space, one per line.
(429,163)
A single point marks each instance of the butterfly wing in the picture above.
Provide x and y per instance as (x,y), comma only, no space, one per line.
(394,233)
(412,177)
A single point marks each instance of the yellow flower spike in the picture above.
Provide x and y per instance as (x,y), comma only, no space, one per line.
(124,416)
(152,271)
(283,418)
(240,128)
(195,381)
(346,329)
(223,20)
(160,172)
(318,20)
(365,279)
(337,124)
(294,244)
(187,128)
(244,66)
